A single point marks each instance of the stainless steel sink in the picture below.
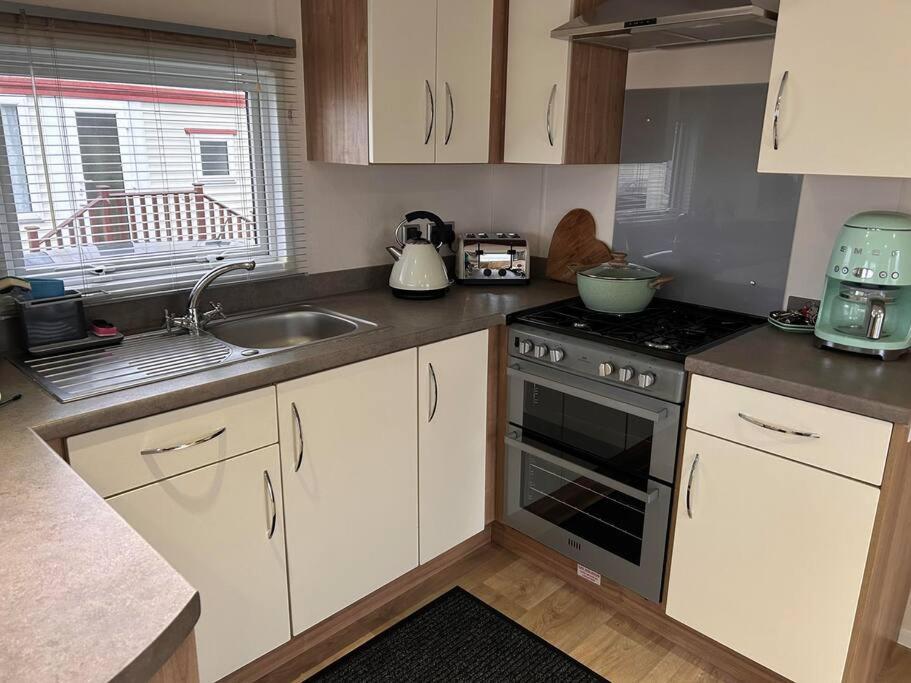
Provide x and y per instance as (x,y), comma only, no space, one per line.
(154,356)
(285,329)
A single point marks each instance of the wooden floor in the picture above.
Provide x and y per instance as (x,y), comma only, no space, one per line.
(614,646)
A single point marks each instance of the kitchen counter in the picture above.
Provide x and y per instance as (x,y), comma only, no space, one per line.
(789,364)
(85,597)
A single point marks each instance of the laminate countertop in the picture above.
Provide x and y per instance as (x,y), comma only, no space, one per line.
(789,364)
(86,598)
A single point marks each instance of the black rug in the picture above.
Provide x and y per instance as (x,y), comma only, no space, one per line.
(457,638)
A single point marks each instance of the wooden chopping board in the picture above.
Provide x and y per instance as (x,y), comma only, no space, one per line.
(574,242)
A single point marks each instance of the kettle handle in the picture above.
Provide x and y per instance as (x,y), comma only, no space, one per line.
(418,215)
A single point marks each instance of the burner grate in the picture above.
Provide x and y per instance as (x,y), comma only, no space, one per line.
(667,329)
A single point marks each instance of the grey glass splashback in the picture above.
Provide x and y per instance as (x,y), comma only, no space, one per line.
(691,204)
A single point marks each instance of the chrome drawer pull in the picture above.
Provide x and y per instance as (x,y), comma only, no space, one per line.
(270,504)
(776,428)
(689,488)
(189,444)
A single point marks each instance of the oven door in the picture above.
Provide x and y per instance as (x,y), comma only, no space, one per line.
(614,529)
(623,434)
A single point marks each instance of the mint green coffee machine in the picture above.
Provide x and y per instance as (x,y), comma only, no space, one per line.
(866,306)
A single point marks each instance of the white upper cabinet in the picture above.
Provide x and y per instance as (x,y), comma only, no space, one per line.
(404,81)
(564,101)
(464,39)
(401,42)
(839,83)
(349,459)
(222,527)
(452,420)
(769,556)
(537,77)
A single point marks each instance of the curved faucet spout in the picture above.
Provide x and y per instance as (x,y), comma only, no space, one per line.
(211,276)
(193,321)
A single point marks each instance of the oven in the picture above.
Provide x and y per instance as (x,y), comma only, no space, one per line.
(590,471)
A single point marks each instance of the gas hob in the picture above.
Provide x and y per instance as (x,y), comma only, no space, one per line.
(666,329)
(642,352)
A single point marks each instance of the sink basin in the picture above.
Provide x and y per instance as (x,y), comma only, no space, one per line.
(154,356)
(285,329)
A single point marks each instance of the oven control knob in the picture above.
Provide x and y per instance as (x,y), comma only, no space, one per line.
(605,369)
(627,373)
(525,347)
(645,380)
(540,350)
(556,355)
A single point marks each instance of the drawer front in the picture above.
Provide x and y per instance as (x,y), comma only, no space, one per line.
(833,440)
(133,454)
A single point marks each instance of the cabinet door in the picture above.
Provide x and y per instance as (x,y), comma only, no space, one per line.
(845,102)
(349,453)
(464,54)
(452,383)
(401,40)
(215,525)
(771,561)
(536,81)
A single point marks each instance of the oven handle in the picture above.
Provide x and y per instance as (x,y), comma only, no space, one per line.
(653,415)
(646,497)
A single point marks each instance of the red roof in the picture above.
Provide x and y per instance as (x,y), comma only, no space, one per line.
(94,90)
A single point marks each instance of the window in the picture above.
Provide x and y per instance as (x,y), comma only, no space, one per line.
(105,191)
(213,157)
(15,158)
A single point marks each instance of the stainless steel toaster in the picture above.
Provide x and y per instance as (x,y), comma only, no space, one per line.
(492,258)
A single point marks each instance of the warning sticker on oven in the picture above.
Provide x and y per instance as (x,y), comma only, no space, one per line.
(588,574)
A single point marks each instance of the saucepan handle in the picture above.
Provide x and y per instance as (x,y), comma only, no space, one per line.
(660,281)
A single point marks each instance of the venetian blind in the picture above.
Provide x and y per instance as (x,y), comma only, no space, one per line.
(133,161)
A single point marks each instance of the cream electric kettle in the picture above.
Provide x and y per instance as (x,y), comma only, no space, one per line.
(419,271)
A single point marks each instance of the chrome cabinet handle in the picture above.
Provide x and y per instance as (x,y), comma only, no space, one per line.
(550,113)
(270,504)
(432,113)
(777,114)
(300,437)
(189,444)
(435,391)
(776,428)
(451,114)
(689,488)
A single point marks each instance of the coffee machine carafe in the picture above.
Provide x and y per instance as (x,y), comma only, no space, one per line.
(866,306)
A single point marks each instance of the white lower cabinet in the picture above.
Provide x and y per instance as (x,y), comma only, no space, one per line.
(452,421)
(221,526)
(349,458)
(769,556)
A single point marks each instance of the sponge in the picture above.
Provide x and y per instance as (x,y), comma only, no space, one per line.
(8,283)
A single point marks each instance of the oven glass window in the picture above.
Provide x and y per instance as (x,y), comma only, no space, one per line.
(611,441)
(587,508)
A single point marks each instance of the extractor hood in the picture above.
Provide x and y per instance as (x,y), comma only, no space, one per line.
(649,24)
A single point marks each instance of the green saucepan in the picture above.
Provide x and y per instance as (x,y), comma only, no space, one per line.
(618,287)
